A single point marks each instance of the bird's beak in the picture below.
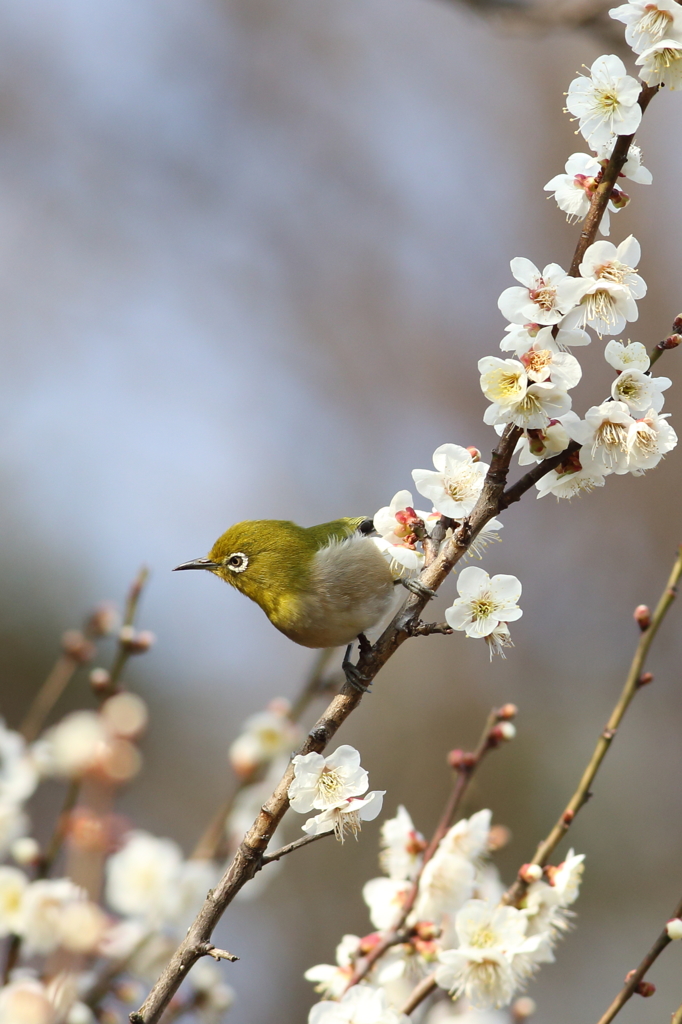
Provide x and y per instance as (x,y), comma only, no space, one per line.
(198,563)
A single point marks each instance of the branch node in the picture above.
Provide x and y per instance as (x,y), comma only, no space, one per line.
(206,949)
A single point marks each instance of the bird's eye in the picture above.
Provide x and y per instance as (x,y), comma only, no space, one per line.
(237,562)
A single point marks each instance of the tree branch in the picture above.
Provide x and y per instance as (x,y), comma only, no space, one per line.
(516,892)
(290,847)
(634,978)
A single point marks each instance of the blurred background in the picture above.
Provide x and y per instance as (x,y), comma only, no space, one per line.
(250,254)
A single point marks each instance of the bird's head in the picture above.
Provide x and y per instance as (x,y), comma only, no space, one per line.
(264,559)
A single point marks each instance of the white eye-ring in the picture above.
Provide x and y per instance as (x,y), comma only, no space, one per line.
(237,562)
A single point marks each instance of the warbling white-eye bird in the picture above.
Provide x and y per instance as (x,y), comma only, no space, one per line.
(322,586)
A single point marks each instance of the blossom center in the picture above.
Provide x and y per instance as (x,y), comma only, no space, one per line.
(536,362)
(484,938)
(544,297)
(607,101)
(615,271)
(506,386)
(330,783)
(629,389)
(600,306)
(459,487)
(654,23)
(612,437)
(482,607)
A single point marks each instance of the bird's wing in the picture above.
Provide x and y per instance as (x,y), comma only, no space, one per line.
(338,529)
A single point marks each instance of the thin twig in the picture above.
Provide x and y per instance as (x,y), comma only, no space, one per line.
(124,651)
(49,693)
(635,977)
(547,846)
(464,771)
(290,847)
(424,989)
(677,1016)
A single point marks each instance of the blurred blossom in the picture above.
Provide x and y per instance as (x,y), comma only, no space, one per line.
(264,737)
(42,910)
(125,714)
(82,925)
(362,1004)
(402,846)
(26,1002)
(18,774)
(13,885)
(141,879)
(74,746)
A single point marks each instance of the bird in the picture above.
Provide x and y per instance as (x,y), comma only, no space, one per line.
(322,586)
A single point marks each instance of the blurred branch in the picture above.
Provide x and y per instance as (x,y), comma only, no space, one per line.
(440,561)
(76,651)
(590,15)
(632,683)
(125,647)
(677,1016)
(425,987)
(465,765)
(634,978)
(210,843)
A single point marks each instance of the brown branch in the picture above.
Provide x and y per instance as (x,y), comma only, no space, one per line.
(125,649)
(635,977)
(465,767)
(677,1016)
(425,987)
(429,628)
(551,17)
(632,683)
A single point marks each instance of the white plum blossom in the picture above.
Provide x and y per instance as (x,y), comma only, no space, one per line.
(455,485)
(543,298)
(567,877)
(639,391)
(544,361)
(397,540)
(574,189)
(606,306)
(649,439)
(385,898)
(498,640)
(447,882)
(633,168)
(662,64)
(264,736)
(26,1001)
(362,1004)
(580,475)
(142,877)
(75,745)
(647,23)
(604,433)
(469,836)
(632,356)
(346,816)
(537,445)
(13,885)
(402,846)
(483,603)
(331,980)
(483,966)
(42,907)
(486,535)
(606,102)
(521,337)
(322,782)
(514,399)
(14,825)
(606,262)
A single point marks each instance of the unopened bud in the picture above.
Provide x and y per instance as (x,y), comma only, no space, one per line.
(498,837)
(619,198)
(461,760)
(672,341)
(503,731)
(645,679)
(474,453)
(99,679)
(134,642)
(507,712)
(530,873)
(369,942)
(103,620)
(677,324)
(25,851)
(674,928)
(567,817)
(427,930)
(645,989)
(523,1008)
(642,616)
(76,647)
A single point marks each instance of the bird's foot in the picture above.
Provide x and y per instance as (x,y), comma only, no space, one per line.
(353,675)
(415,586)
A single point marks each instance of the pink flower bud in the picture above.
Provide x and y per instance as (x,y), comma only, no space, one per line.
(645,679)
(523,1008)
(672,341)
(567,817)
(498,837)
(642,616)
(619,199)
(474,452)
(103,620)
(530,873)
(460,759)
(507,712)
(99,679)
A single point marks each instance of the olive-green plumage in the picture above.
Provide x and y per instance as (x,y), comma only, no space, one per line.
(320,585)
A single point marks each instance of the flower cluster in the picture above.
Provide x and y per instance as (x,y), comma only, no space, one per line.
(334,786)
(482,952)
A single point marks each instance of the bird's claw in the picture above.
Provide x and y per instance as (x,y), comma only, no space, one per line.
(353,675)
(415,586)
